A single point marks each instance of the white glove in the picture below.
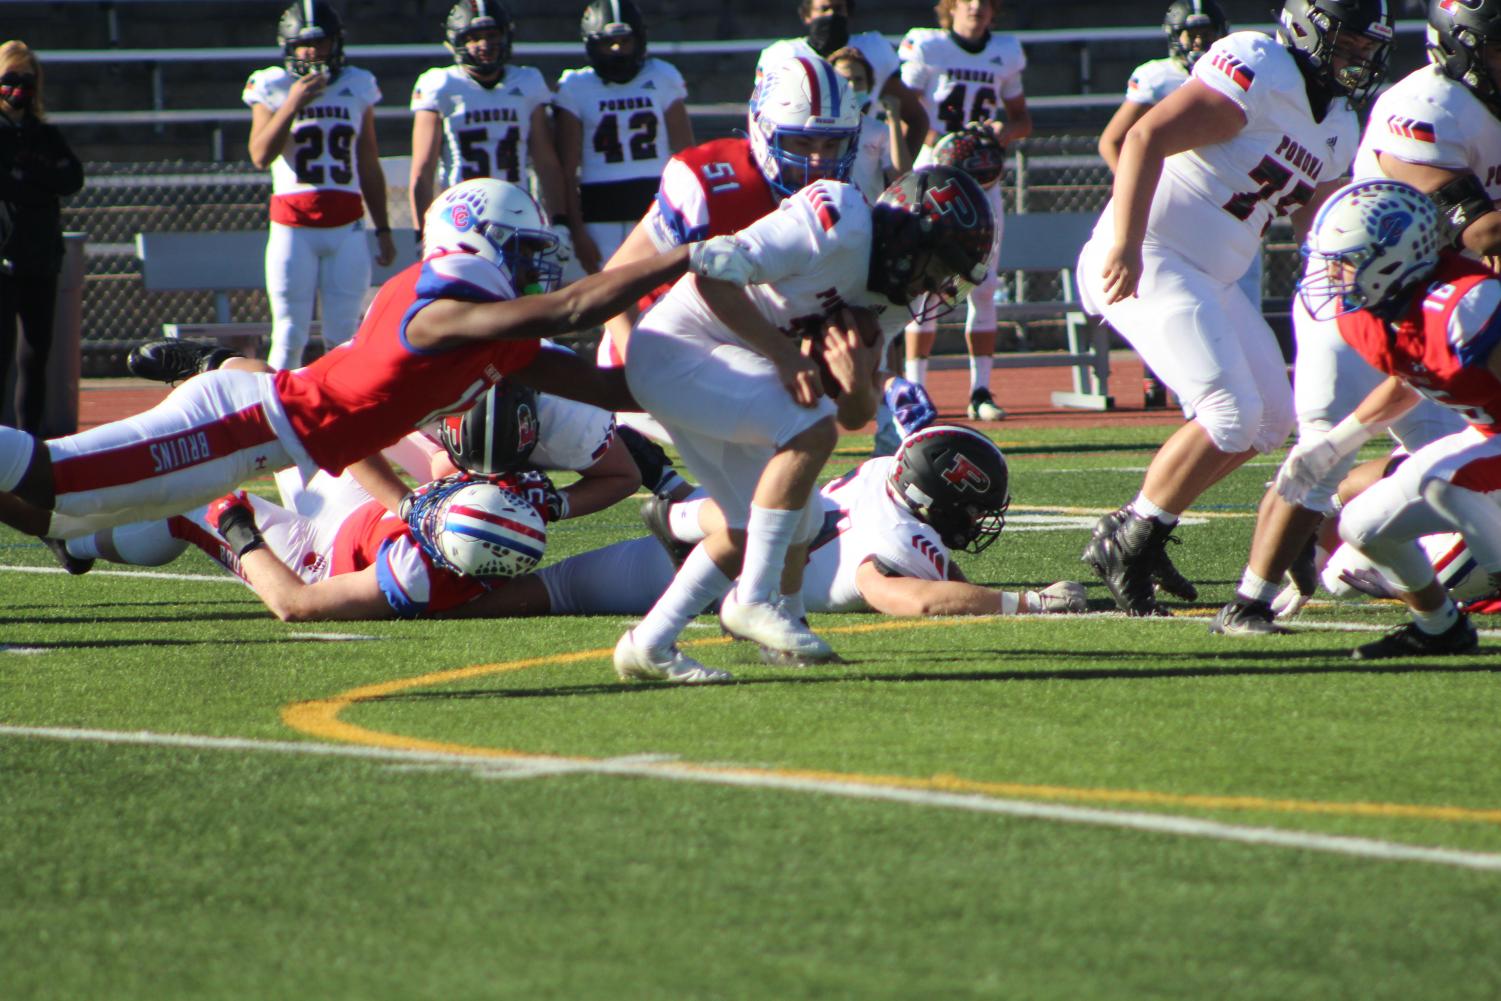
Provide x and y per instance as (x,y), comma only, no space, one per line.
(1312,458)
(1289,602)
(724,258)
(1368,580)
(564,237)
(1066,596)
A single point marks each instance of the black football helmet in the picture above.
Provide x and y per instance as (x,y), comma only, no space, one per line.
(954,479)
(473,15)
(975,150)
(932,232)
(1458,32)
(1202,16)
(603,22)
(310,21)
(1312,30)
(497,434)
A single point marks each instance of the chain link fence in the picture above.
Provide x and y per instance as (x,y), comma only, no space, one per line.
(119,200)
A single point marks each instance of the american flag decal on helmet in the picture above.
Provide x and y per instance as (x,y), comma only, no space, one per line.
(1411,128)
(1237,71)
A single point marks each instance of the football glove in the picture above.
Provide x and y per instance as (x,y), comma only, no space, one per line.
(724,258)
(1313,458)
(911,407)
(538,489)
(234,519)
(1066,596)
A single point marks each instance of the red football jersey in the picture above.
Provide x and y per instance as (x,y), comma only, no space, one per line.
(1448,367)
(411,583)
(370,392)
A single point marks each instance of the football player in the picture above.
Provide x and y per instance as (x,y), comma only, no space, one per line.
(618,120)
(881,150)
(828,24)
(1439,129)
(1264,128)
(963,73)
(437,335)
(1431,320)
(1191,27)
(482,117)
(718,362)
(312,121)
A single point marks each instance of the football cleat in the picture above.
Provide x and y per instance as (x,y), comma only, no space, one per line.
(1125,560)
(654,516)
(982,407)
(637,663)
(1246,618)
(1167,576)
(1410,641)
(73,564)
(173,361)
(783,639)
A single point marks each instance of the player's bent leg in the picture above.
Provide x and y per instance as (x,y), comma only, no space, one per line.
(626,578)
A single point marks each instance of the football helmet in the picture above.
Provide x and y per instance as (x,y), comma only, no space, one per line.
(803,96)
(500,222)
(497,434)
(473,15)
(975,150)
(1458,33)
(475,526)
(954,479)
(1312,29)
(932,232)
(1371,240)
(1201,16)
(605,21)
(304,23)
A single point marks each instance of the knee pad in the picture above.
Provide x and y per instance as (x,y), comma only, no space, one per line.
(982,306)
(1230,422)
(1277,422)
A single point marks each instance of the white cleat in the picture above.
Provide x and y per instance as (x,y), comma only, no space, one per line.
(783,639)
(637,663)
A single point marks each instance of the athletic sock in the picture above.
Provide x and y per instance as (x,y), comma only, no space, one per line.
(1440,620)
(1147,509)
(979,372)
(792,604)
(915,370)
(682,520)
(768,533)
(697,585)
(1253,588)
(16,449)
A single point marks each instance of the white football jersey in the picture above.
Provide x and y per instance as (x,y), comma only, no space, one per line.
(321,150)
(811,257)
(863,522)
(872,155)
(486,130)
(871,44)
(570,435)
(1154,80)
(958,86)
(625,128)
(1213,203)
(1429,119)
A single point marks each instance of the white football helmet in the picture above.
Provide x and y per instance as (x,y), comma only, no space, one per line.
(1370,240)
(500,222)
(475,526)
(803,96)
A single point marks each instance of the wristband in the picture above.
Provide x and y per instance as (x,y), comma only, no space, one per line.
(1010,602)
(1348,435)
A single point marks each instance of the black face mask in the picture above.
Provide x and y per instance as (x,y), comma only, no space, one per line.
(829,33)
(17,90)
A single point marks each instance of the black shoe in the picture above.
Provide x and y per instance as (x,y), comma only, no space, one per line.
(1125,559)
(73,564)
(1303,574)
(1410,641)
(1167,576)
(654,515)
(1246,618)
(1153,395)
(173,361)
(982,407)
(657,473)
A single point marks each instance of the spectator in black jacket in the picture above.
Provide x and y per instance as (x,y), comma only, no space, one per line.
(36,169)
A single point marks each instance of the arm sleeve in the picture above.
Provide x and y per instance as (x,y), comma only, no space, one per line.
(680,213)
(1419,133)
(1226,69)
(425,91)
(1011,87)
(1475,324)
(915,71)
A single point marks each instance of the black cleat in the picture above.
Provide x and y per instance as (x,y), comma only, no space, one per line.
(654,516)
(1410,641)
(1167,576)
(1246,618)
(1124,560)
(1304,574)
(173,361)
(73,564)
(982,407)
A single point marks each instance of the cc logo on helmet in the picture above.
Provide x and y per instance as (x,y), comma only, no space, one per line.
(948,199)
(460,216)
(965,475)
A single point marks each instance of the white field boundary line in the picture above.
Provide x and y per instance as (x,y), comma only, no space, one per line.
(637,766)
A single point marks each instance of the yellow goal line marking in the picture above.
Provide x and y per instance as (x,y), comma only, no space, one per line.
(322,718)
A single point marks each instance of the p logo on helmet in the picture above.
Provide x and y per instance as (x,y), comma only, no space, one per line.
(948,199)
(965,475)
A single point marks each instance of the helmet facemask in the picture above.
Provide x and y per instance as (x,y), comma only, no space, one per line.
(475,526)
(1319,38)
(1461,37)
(304,24)
(470,16)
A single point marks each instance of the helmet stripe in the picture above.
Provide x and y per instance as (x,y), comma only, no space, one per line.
(509,524)
(812,74)
(833,83)
(504,541)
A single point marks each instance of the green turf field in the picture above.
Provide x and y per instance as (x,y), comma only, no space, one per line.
(201,802)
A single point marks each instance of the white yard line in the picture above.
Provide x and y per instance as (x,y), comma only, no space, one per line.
(652,767)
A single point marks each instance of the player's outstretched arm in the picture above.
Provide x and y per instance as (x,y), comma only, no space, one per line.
(449,323)
(562,373)
(290,599)
(911,597)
